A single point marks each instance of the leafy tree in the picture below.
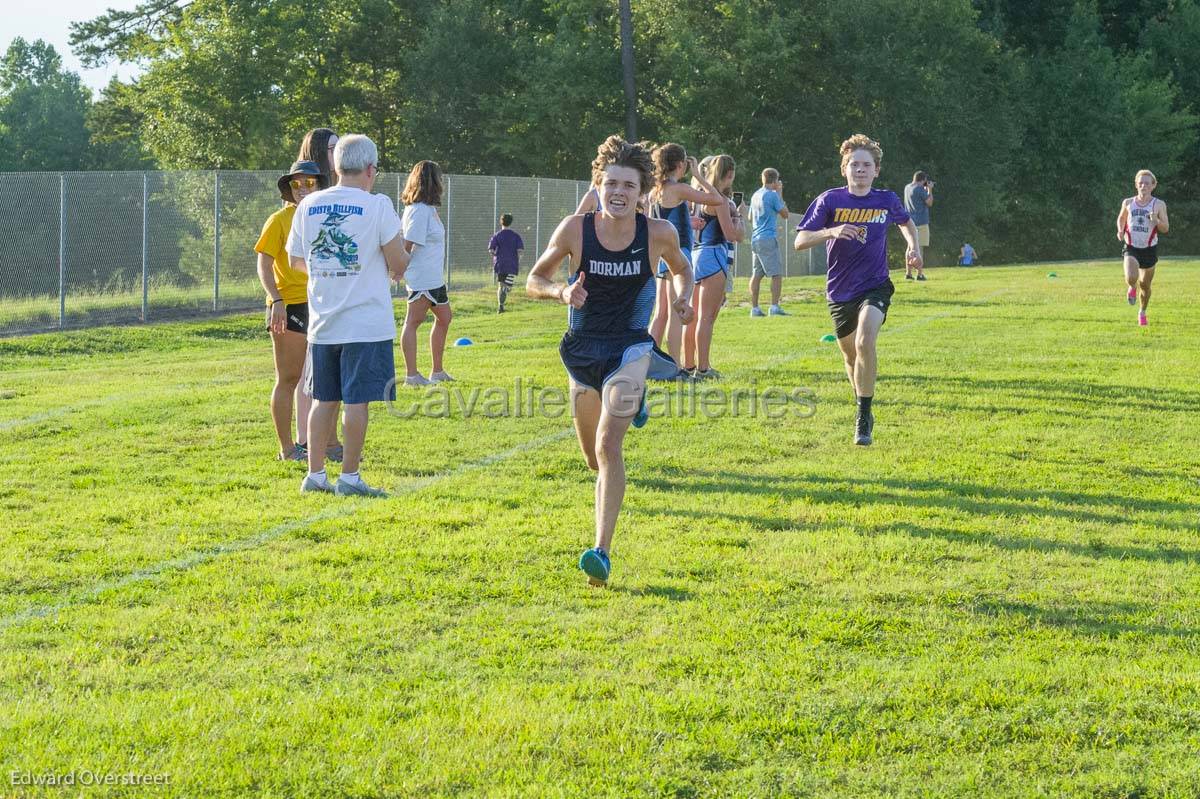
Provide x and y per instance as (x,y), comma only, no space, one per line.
(115,126)
(1031,117)
(1093,118)
(42,110)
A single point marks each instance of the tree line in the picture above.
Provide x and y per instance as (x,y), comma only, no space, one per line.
(1031,117)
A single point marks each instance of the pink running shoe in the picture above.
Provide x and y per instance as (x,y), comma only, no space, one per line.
(1132,295)
(1142,319)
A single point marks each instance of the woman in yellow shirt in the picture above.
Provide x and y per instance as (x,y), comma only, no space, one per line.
(287,309)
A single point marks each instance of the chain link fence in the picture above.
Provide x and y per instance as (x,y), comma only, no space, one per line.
(81,249)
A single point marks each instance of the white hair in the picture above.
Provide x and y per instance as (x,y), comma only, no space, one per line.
(353,154)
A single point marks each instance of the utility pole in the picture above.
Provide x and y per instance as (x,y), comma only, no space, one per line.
(626,13)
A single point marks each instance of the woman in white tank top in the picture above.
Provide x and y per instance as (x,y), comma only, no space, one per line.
(1141,219)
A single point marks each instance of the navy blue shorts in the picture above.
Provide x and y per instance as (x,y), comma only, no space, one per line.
(353,373)
(592,360)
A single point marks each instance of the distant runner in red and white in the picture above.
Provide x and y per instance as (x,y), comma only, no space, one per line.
(1141,219)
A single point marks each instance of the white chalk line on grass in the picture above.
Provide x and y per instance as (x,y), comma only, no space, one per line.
(203,556)
(772,364)
(113,399)
(344,508)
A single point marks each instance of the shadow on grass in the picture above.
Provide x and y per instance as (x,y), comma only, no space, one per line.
(1036,544)
(1056,392)
(667,592)
(1106,412)
(708,515)
(917,302)
(1091,618)
(981,500)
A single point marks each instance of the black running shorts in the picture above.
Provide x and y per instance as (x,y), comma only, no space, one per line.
(845,314)
(437,296)
(296,315)
(1147,257)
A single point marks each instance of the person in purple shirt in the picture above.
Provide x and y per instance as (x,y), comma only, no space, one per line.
(853,222)
(505,247)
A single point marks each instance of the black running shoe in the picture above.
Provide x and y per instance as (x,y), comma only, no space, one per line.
(863,426)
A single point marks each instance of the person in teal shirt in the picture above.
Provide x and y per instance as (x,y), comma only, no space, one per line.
(766,206)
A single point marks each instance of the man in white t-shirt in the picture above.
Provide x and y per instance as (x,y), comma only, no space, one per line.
(348,241)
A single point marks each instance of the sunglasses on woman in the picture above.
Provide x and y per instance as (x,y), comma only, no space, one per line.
(304,183)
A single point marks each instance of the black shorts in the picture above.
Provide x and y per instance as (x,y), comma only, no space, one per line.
(1146,257)
(592,360)
(437,296)
(845,314)
(296,315)
(507,278)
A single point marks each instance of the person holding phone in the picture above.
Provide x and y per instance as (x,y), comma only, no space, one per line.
(711,257)
(918,199)
(766,206)
(669,201)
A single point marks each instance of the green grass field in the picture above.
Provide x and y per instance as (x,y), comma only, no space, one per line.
(998,599)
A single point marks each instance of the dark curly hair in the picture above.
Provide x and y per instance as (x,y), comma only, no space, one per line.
(615,151)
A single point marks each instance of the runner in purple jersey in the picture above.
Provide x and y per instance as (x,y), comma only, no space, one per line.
(853,222)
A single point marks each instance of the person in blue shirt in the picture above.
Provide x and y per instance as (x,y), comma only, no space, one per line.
(766,206)
(918,199)
(967,255)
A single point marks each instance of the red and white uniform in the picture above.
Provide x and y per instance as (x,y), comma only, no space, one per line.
(1141,226)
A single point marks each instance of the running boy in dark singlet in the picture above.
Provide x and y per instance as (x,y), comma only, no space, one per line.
(854,222)
(607,346)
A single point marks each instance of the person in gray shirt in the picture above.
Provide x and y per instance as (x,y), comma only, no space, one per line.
(918,199)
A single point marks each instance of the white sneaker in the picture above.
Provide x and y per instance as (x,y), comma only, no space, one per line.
(417,380)
(310,484)
(440,377)
(346,488)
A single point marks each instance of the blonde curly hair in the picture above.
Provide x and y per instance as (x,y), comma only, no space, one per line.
(860,141)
